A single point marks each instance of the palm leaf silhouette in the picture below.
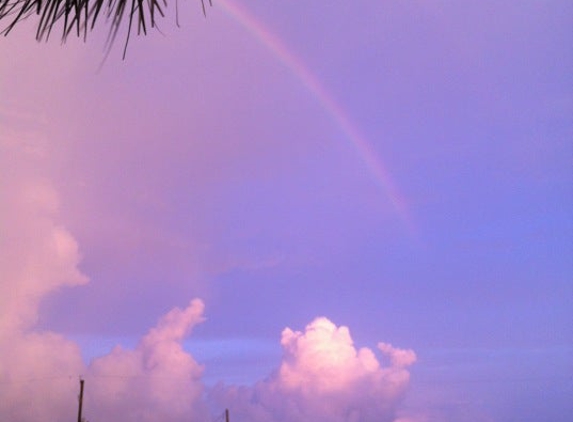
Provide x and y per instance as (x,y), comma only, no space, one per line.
(80,16)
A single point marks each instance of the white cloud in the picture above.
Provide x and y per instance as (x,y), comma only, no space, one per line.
(157,380)
(38,255)
(323,377)
(39,370)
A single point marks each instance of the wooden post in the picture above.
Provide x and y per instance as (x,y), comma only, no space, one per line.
(226,415)
(81,398)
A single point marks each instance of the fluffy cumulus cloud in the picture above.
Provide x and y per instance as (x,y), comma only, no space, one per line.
(39,369)
(38,256)
(158,380)
(323,377)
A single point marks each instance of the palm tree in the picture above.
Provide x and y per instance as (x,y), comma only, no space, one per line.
(80,16)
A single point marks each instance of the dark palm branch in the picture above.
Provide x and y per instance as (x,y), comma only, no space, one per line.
(80,16)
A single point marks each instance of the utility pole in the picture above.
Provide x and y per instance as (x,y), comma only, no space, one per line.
(226,415)
(81,399)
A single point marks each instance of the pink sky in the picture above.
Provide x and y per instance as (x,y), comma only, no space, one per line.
(335,213)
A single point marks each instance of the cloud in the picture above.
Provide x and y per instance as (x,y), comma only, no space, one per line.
(156,381)
(400,358)
(323,377)
(38,255)
(39,369)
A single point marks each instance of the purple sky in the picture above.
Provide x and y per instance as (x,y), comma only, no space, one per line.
(402,169)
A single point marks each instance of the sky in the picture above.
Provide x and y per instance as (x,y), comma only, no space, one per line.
(329,212)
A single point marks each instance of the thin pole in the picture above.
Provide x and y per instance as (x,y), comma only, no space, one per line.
(226,415)
(81,400)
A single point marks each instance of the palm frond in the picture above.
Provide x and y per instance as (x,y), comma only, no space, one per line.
(80,16)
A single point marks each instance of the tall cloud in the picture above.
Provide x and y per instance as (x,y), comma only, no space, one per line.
(39,369)
(38,256)
(157,380)
(323,377)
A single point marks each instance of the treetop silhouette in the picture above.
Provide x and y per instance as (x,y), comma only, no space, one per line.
(80,16)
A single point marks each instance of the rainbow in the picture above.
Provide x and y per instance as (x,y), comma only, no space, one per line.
(363,148)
